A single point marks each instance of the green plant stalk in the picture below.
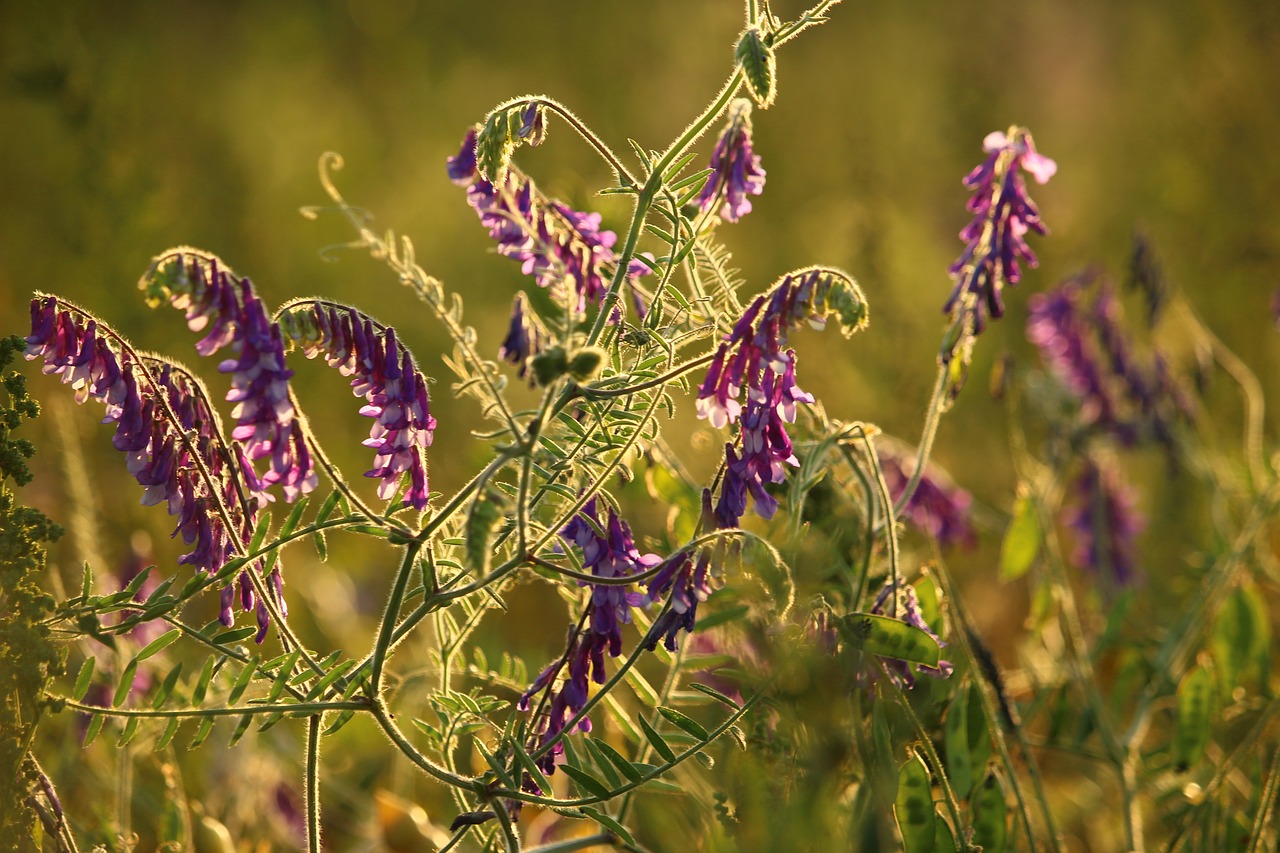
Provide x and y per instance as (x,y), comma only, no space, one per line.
(664,695)
(312,795)
(386,626)
(926,743)
(933,415)
(384,717)
(890,528)
(574,844)
(226,711)
(860,585)
(1266,805)
(994,727)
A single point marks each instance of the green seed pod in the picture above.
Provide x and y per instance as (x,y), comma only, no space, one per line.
(990,825)
(486,511)
(1195,712)
(759,66)
(914,807)
(549,365)
(585,363)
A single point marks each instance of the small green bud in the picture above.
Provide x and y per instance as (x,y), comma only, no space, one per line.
(549,365)
(585,363)
(755,55)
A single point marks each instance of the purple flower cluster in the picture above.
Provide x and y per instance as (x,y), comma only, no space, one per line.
(752,361)
(687,579)
(1003,213)
(1085,345)
(608,551)
(908,610)
(562,249)
(266,423)
(385,375)
(735,168)
(1103,516)
(171,439)
(938,507)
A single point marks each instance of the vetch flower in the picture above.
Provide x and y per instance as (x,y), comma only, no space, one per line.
(908,611)
(1003,213)
(385,375)
(524,339)
(266,423)
(172,440)
(1103,517)
(564,250)
(735,168)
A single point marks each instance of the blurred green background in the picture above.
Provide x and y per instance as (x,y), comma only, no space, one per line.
(132,127)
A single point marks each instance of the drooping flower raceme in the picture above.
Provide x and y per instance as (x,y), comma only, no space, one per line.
(563,249)
(609,552)
(266,422)
(1102,514)
(752,362)
(384,374)
(735,167)
(171,438)
(1003,213)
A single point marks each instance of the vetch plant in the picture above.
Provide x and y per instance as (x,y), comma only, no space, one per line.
(788,655)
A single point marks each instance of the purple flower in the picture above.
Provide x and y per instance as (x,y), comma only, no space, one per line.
(170,436)
(735,168)
(385,375)
(1102,514)
(563,249)
(609,552)
(1003,213)
(688,580)
(938,507)
(266,423)
(1086,346)
(524,339)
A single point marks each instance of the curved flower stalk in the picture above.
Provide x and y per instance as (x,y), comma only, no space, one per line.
(752,360)
(1003,213)
(735,168)
(609,552)
(1102,513)
(386,376)
(172,440)
(937,506)
(563,249)
(212,296)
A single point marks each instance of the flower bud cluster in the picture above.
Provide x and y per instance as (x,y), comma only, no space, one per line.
(562,249)
(266,422)
(384,374)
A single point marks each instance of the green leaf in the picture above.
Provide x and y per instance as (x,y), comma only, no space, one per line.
(170,729)
(720,617)
(202,732)
(913,807)
(241,728)
(95,726)
(880,635)
(659,745)
(260,533)
(959,761)
(606,767)
(990,824)
(166,689)
(1021,543)
(84,678)
(129,733)
(295,516)
(202,683)
(242,681)
(684,723)
(531,767)
(585,781)
(714,694)
(504,776)
(1195,712)
(329,678)
(1241,635)
(326,508)
(235,635)
(625,766)
(321,545)
(340,721)
(609,823)
(159,644)
(126,683)
(885,767)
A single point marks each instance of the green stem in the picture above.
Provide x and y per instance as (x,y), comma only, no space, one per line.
(282,707)
(597,393)
(386,627)
(1267,804)
(312,796)
(573,844)
(933,414)
(384,717)
(926,743)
